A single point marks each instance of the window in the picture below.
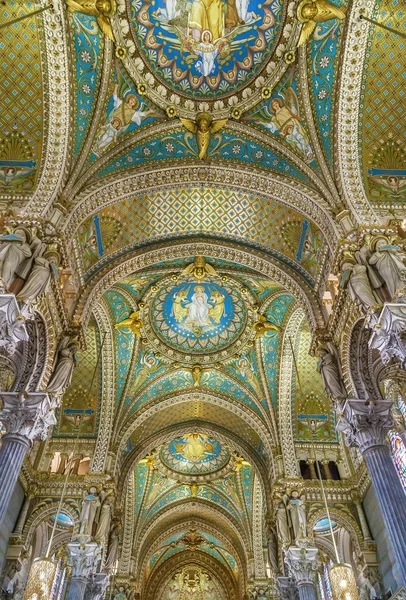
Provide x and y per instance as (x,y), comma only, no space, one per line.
(398,455)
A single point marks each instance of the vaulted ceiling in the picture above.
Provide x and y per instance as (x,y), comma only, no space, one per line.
(102,138)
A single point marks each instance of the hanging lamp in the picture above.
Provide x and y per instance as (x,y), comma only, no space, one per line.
(342,578)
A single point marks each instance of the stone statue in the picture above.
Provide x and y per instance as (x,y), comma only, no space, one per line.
(366,591)
(329,367)
(297,510)
(355,278)
(112,548)
(103,519)
(90,506)
(14,249)
(64,364)
(282,523)
(38,280)
(389,261)
(272,546)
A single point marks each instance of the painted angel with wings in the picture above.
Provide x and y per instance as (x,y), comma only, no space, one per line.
(101,9)
(127,111)
(312,12)
(203,127)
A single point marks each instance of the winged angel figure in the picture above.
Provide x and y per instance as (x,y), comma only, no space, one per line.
(312,12)
(203,127)
(282,117)
(101,9)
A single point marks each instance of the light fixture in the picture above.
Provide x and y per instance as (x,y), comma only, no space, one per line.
(43,569)
(343,583)
(41,579)
(342,579)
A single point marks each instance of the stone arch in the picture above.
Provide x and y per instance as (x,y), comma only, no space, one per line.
(154,253)
(341,518)
(250,178)
(285,391)
(191,521)
(183,559)
(361,364)
(170,400)
(46,509)
(32,355)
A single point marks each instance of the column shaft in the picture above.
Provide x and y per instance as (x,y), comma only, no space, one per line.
(307,592)
(392,500)
(77,588)
(12,453)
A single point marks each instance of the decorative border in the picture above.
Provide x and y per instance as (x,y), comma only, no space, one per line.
(124,565)
(257,529)
(285,394)
(146,257)
(56,158)
(108,392)
(348,112)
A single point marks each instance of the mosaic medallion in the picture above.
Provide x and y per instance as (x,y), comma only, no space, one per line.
(194,453)
(201,49)
(197,316)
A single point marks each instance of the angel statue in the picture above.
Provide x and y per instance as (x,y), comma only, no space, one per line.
(101,9)
(132,322)
(203,127)
(199,268)
(329,366)
(263,326)
(311,12)
(64,363)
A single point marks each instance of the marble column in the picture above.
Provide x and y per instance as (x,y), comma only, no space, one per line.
(302,567)
(26,416)
(364,525)
(18,529)
(365,425)
(84,559)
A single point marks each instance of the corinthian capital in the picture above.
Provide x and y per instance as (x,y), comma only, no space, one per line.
(365,423)
(27,414)
(302,564)
(84,558)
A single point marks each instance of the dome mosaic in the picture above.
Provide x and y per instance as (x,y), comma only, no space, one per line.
(190,319)
(194,453)
(203,49)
